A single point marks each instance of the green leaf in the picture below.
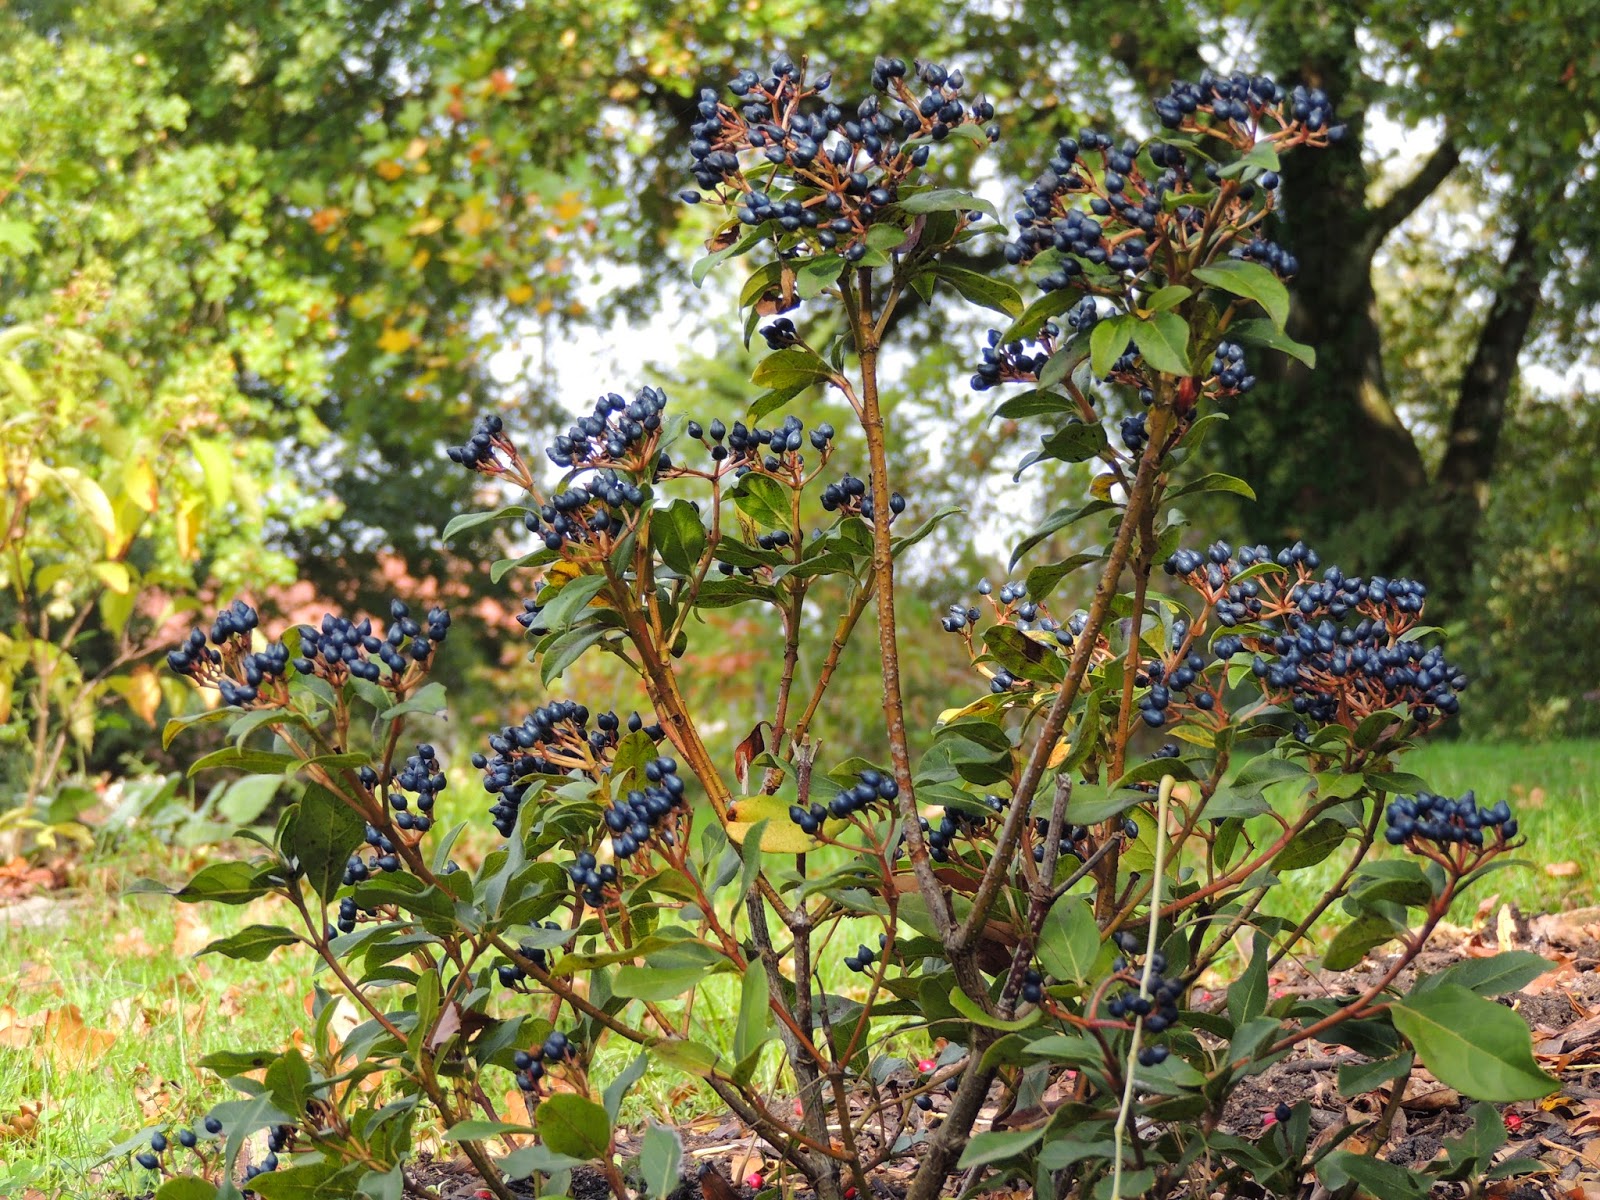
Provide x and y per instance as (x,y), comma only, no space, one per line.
(1480,1048)
(661,1161)
(793,366)
(574,596)
(999,1145)
(1510,971)
(254,943)
(982,290)
(618,1089)
(566,650)
(816,275)
(462,522)
(658,983)
(1311,845)
(754,1026)
(1350,944)
(1247,995)
(1166,298)
(1035,403)
(480,1130)
(1358,1078)
(232,882)
(571,1124)
(1069,940)
(678,535)
(1381,1179)
(186,1187)
(1033,318)
(1044,580)
(1216,481)
(1251,280)
(250,762)
(765,501)
(177,725)
(1077,441)
(947,200)
(1257,332)
(969,1008)
(1163,342)
(1107,342)
(321,834)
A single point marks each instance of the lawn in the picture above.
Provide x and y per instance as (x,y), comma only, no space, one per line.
(104,1009)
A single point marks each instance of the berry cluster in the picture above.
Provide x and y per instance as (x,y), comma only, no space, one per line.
(617,433)
(955,823)
(481,452)
(532,1064)
(511,975)
(588,511)
(228,663)
(870,787)
(1250,102)
(1334,649)
(342,649)
(1446,822)
(1159,1009)
(1072,839)
(850,495)
(633,819)
(864,956)
(551,740)
(421,777)
(823,175)
(278,1138)
(744,448)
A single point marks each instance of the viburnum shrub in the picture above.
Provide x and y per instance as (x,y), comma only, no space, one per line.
(1034,887)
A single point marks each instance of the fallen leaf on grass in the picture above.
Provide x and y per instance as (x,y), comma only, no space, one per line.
(131,943)
(190,934)
(20,1124)
(69,1043)
(1561,870)
(16,1030)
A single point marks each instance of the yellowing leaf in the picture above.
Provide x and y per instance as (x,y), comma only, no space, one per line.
(187,527)
(475,218)
(395,341)
(114,575)
(139,484)
(144,692)
(425,226)
(569,207)
(416,148)
(390,170)
(781,836)
(519,293)
(92,497)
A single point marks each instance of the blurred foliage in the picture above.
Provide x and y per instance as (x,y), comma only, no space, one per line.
(339,219)
(125,497)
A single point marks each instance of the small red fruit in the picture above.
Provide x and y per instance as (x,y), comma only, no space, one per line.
(753,1181)
(1513,1123)
(926,1066)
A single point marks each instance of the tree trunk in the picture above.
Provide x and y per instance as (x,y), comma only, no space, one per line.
(1327,454)
(1440,541)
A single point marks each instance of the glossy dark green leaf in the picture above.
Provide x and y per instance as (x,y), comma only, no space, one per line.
(1480,1048)
(1252,281)
(987,291)
(573,1125)
(321,834)
(1163,343)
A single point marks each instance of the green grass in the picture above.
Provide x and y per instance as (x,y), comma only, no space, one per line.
(1554,792)
(160,1011)
(164,1010)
